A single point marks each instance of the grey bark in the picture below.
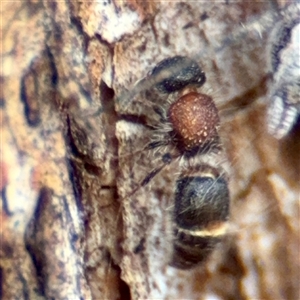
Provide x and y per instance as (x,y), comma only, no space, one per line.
(76,222)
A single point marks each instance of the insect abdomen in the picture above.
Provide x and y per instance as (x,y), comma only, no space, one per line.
(200,218)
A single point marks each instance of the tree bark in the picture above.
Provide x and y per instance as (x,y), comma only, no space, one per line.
(76,222)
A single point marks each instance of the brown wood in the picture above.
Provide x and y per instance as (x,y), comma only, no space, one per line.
(75,222)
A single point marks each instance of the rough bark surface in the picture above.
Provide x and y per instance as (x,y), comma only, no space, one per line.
(75,221)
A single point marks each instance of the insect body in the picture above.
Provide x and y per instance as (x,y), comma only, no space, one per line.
(175,73)
(200,215)
(201,201)
(202,197)
(195,119)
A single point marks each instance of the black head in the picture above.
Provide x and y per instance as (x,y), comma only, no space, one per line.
(174,73)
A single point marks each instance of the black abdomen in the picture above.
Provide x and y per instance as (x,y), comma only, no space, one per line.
(200,218)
